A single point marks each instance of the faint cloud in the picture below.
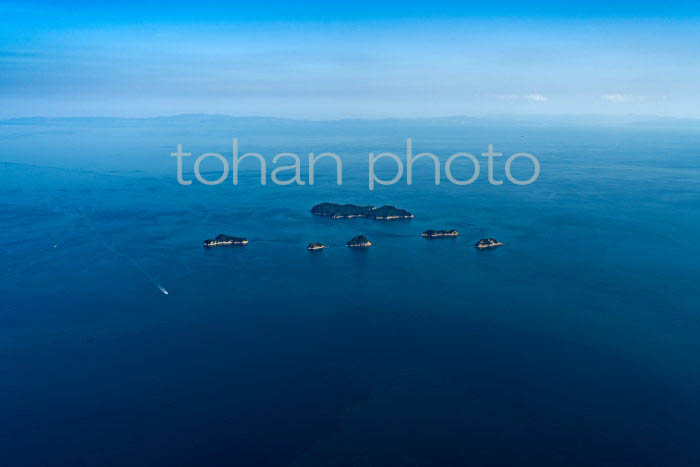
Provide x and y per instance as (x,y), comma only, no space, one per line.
(536,97)
(616,98)
(625,98)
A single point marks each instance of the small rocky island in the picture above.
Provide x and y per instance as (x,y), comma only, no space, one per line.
(487,243)
(359,242)
(347,211)
(222,239)
(440,233)
(315,246)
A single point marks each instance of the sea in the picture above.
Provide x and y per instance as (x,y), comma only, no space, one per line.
(576,343)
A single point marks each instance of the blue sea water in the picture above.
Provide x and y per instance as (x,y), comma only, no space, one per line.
(577,343)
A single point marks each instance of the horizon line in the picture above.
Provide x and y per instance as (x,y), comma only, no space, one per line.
(520,116)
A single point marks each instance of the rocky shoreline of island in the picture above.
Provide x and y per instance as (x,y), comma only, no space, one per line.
(359,241)
(349,211)
(487,243)
(440,233)
(223,239)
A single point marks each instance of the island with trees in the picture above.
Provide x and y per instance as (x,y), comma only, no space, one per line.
(440,233)
(348,211)
(359,242)
(487,243)
(222,239)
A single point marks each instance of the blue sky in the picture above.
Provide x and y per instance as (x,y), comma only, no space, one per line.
(361,59)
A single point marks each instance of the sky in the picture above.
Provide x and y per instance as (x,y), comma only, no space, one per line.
(317,60)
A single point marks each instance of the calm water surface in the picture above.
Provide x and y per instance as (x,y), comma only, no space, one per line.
(576,343)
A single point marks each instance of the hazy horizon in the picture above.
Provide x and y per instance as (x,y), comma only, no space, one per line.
(331,62)
(491,118)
